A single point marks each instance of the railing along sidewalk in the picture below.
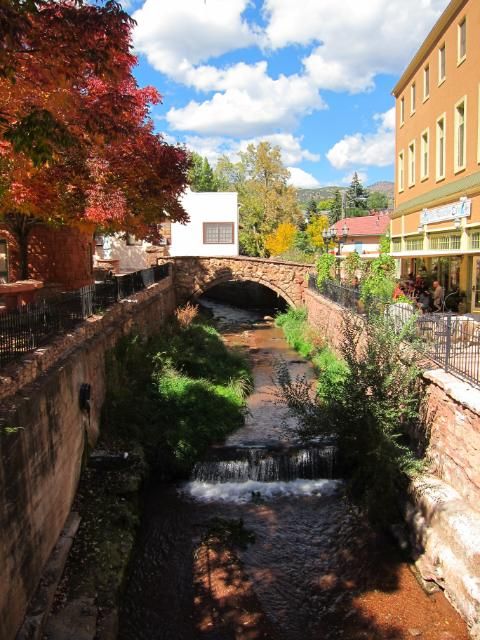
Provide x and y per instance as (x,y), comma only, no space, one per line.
(450,340)
(35,324)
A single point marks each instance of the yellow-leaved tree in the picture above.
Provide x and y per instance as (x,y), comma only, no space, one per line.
(315,229)
(281,240)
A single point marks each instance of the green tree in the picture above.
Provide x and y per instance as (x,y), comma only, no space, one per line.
(336,209)
(201,176)
(357,195)
(266,200)
(311,209)
(324,205)
(377,200)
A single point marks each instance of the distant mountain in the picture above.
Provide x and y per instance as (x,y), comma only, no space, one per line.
(326,193)
(321,193)
(385,187)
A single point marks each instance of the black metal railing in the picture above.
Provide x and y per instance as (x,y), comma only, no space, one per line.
(34,325)
(451,340)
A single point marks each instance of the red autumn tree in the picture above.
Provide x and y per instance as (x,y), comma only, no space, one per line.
(76,143)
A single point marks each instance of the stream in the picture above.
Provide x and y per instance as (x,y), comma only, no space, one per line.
(309,568)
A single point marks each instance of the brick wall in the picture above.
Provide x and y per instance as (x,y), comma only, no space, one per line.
(40,463)
(61,256)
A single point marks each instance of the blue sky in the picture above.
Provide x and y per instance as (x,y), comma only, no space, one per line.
(313,77)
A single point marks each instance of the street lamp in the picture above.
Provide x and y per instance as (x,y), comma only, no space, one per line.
(331,235)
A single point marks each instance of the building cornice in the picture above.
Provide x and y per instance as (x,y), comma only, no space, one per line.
(468,186)
(439,27)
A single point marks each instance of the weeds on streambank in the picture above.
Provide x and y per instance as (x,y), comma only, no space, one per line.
(369,397)
(175,393)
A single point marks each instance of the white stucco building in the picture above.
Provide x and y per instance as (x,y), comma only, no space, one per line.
(213,226)
(211,231)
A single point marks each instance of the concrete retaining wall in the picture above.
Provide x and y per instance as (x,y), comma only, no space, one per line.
(43,433)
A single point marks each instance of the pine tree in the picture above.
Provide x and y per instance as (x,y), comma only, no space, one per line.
(336,210)
(357,194)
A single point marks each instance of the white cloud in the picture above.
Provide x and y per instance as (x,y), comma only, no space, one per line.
(354,44)
(367,149)
(176,35)
(301,179)
(256,108)
(362,176)
(212,147)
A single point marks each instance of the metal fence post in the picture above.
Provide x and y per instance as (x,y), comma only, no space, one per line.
(448,341)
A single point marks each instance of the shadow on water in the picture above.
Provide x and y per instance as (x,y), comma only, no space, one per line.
(315,571)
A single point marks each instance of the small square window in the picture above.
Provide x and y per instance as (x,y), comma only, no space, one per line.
(218,233)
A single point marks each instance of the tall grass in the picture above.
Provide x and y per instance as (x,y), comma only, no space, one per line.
(176,393)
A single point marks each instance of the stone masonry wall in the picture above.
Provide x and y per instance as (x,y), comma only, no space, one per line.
(40,462)
(450,418)
(443,510)
(193,275)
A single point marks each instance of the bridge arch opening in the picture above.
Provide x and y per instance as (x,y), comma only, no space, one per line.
(246,294)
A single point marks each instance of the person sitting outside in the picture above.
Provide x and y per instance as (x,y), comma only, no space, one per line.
(438,296)
(424,302)
(399,291)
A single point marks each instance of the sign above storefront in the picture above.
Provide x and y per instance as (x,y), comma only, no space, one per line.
(460,209)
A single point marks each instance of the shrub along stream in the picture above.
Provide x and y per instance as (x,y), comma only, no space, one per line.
(368,396)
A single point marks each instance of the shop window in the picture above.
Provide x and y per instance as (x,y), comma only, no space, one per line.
(475,241)
(425,155)
(411,164)
(396,244)
(447,272)
(401,172)
(462,40)
(218,233)
(414,244)
(426,82)
(3,261)
(460,134)
(440,148)
(445,242)
(442,67)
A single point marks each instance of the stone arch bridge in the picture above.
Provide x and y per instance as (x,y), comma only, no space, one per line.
(193,276)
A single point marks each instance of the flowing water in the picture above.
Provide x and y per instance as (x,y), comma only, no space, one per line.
(310,569)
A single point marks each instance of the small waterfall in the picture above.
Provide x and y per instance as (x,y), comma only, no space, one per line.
(267,465)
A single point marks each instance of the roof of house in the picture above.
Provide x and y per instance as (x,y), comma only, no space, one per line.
(372,225)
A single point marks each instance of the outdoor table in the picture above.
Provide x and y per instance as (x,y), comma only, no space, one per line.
(19,293)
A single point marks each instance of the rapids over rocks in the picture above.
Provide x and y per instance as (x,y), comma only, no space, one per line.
(307,566)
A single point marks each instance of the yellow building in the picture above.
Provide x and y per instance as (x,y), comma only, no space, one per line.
(435,227)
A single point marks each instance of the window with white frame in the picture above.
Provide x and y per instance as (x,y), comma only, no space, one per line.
(413,97)
(426,82)
(425,154)
(218,233)
(402,111)
(460,137)
(462,41)
(411,164)
(440,148)
(401,172)
(442,64)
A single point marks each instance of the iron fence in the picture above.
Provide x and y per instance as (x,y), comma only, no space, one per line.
(451,340)
(34,325)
